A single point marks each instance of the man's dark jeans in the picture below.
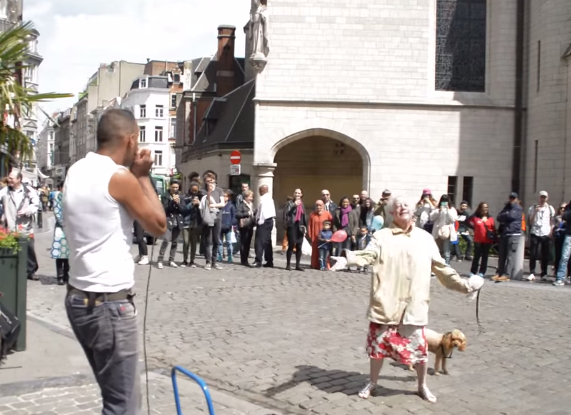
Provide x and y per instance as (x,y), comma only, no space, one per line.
(32,266)
(537,244)
(109,337)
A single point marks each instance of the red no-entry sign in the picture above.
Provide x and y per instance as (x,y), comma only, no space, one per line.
(235,157)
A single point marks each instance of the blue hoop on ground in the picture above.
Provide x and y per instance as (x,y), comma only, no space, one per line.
(198,380)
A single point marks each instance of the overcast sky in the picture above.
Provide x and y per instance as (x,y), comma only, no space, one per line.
(77,35)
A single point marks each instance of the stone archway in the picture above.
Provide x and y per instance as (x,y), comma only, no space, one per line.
(318,159)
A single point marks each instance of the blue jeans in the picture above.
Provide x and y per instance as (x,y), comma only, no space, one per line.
(445,246)
(323,255)
(225,240)
(109,337)
(565,254)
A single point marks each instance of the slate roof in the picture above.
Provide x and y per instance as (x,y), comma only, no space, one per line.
(207,68)
(229,122)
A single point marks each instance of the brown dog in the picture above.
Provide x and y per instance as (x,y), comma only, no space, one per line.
(442,345)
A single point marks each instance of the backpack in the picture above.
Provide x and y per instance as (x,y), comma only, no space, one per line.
(9,331)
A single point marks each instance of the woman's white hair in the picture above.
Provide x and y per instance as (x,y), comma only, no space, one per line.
(392,204)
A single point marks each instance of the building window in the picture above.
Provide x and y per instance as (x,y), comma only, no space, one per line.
(452,187)
(143,83)
(158,158)
(51,135)
(143,111)
(158,134)
(51,147)
(159,111)
(461,45)
(142,135)
(176,78)
(467,189)
(173,129)
(173,101)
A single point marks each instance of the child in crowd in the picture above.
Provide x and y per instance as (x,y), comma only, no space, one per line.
(325,244)
(229,223)
(361,243)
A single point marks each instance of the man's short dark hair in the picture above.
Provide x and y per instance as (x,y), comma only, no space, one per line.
(20,176)
(113,126)
(210,173)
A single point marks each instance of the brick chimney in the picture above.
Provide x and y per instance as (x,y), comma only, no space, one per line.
(225,79)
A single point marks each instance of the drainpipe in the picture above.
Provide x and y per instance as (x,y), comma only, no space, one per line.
(519,143)
(194,109)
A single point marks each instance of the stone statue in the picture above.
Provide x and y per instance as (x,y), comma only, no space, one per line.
(11,10)
(259,33)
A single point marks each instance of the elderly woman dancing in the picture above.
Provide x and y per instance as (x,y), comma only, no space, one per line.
(402,256)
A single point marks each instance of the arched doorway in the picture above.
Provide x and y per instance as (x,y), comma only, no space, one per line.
(316,160)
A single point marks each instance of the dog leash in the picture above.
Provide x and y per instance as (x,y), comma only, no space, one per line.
(480,327)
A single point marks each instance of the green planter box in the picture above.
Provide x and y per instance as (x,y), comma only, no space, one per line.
(14,287)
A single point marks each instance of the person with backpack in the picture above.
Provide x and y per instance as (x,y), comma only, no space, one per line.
(20,203)
(540,218)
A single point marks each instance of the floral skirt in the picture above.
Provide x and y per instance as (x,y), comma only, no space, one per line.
(405,344)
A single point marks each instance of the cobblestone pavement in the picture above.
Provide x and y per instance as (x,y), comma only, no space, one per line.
(294,341)
(85,399)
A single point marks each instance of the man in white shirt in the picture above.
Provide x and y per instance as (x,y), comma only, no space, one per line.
(103,194)
(541,217)
(20,202)
(265,224)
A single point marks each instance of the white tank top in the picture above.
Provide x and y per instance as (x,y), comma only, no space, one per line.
(98,229)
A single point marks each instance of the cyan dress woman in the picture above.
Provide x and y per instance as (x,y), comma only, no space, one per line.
(60,249)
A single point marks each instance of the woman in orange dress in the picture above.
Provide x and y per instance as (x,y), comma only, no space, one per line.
(316,219)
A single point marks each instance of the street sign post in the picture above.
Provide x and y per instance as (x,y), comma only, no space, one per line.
(235,157)
(235,169)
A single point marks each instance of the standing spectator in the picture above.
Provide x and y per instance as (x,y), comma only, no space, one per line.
(510,220)
(60,249)
(228,226)
(381,208)
(366,215)
(444,231)
(464,215)
(246,215)
(285,242)
(316,220)
(342,220)
(143,257)
(265,217)
(424,208)
(541,218)
(559,231)
(210,206)
(239,200)
(20,203)
(484,236)
(192,224)
(296,225)
(329,205)
(324,247)
(563,268)
(173,210)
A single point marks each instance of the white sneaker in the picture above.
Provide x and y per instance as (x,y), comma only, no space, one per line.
(208,267)
(217,266)
(530,277)
(160,265)
(173,264)
(144,260)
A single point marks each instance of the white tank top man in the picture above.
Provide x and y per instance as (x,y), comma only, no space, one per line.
(103,194)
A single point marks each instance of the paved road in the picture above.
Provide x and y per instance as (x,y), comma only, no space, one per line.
(294,341)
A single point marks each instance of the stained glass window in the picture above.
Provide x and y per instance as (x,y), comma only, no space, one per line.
(461,45)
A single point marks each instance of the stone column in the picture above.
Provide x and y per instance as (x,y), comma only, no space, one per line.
(264,175)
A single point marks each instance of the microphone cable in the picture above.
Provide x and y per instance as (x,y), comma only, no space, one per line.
(145,326)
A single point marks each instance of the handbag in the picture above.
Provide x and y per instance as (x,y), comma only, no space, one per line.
(490,234)
(444,232)
(245,222)
(233,239)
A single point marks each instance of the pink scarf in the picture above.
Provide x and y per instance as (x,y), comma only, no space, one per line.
(345,215)
(298,213)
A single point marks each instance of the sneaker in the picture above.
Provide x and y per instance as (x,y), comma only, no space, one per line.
(184,264)
(545,278)
(173,264)
(229,259)
(530,277)
(217,266)
(559,283)
(367,391)
(144,260)
(503,278)
(159,265)
(208,267)
(480,275)
(219,258)
(192,265)
(495,278)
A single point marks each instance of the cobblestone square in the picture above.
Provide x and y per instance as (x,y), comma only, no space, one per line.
(295,341)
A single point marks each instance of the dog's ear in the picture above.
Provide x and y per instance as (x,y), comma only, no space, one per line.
(459,340)
(447,341)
